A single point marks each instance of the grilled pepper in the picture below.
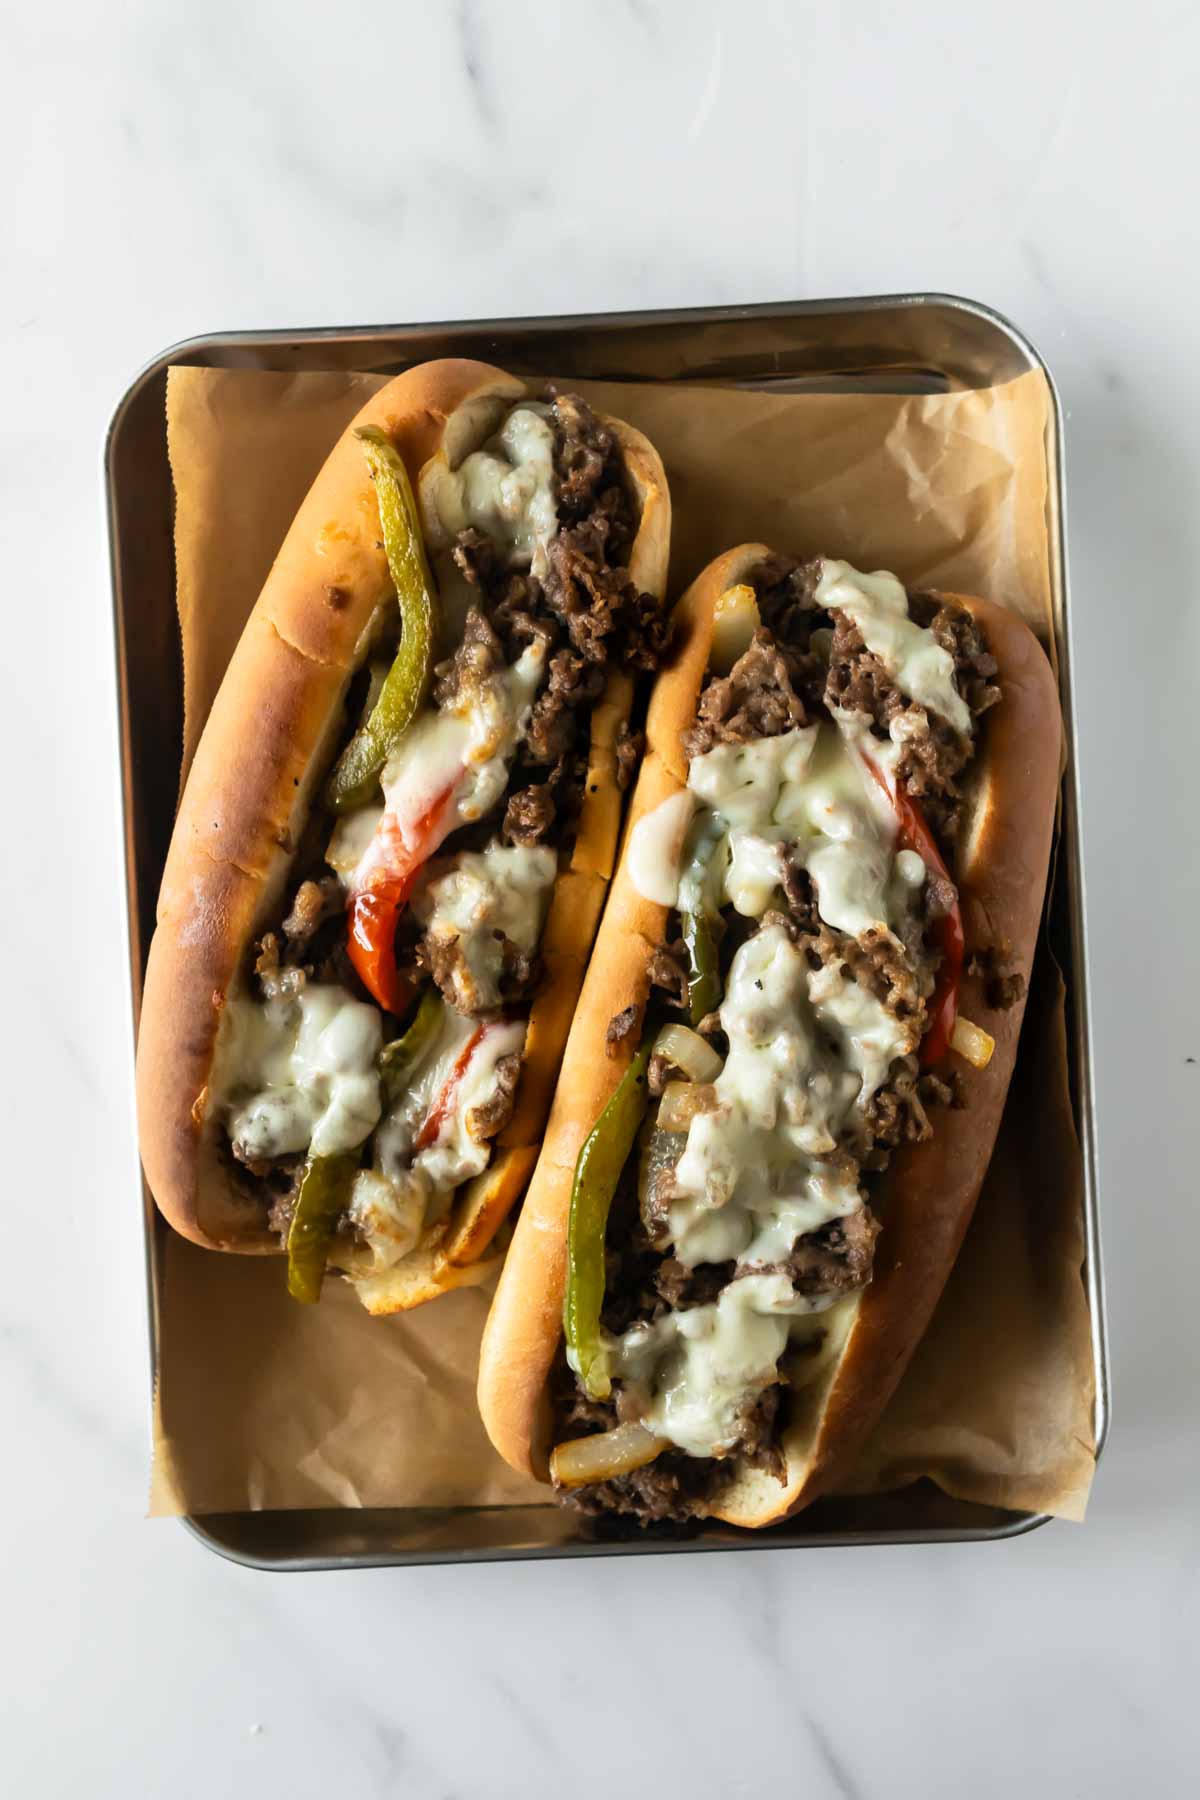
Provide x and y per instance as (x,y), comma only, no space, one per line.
(356,775)
(374,911)
(946,930)
(399,1058)
(704,986)
(324,1191)
(596,1175)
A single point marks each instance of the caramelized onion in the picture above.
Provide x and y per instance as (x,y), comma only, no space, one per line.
(972,1043)
(735,621)
(685,1049)
(606,1455)
(681,1101)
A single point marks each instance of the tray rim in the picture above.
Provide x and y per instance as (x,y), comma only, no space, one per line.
(1020,1526)
(194,349)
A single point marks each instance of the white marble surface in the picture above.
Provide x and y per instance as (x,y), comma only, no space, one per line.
(175,168)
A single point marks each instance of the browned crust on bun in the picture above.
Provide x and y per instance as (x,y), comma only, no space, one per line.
(932,1187)
(275,721)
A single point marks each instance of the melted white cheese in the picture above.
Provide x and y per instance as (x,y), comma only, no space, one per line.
(455,1154)
(773,1160)
(480,733)
(351,839)
(743,782)
(481,900)
(700,1370)
(388,1215)
(868,1037)
(460,753)
(910,868)
(655,847)
(753,869)
(757,1172)
(738,787)
(806,792)
(912,656)
(402,1123)
(705,862)
(506,489)
(299,1074)
(498,714)
(807,1049)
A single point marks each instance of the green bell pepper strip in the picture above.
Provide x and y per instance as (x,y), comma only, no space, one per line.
(399,1058)
(596,1175)
(324,1191)
(704,986)
(355,778)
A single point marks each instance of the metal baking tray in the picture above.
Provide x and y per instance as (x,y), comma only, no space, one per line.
(905,343)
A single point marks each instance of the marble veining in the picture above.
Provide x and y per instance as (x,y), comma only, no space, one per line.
(176,169)
(470,22)
(840,1780)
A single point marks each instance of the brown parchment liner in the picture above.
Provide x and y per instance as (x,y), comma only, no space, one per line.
(265,1404)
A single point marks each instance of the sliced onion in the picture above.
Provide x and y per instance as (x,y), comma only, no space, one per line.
(687,1050)
(972,1043)
(601,1458)
(735,621)
(681,1101)
(660,1151)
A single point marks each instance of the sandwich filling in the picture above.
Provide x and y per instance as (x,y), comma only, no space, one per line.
(382,1019)
(807,986)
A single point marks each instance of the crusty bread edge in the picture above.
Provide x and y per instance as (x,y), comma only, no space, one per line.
(1002,876)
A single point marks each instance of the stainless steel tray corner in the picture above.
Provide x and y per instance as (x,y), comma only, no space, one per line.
(902,343)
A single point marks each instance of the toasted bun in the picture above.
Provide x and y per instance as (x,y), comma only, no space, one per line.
(266,745)
(932,1187)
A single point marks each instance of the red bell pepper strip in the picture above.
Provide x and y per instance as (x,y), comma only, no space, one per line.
(947,929)
(443,1105)
(396,860)
(374,916)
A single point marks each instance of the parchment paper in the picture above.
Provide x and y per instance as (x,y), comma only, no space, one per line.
(262,1403)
